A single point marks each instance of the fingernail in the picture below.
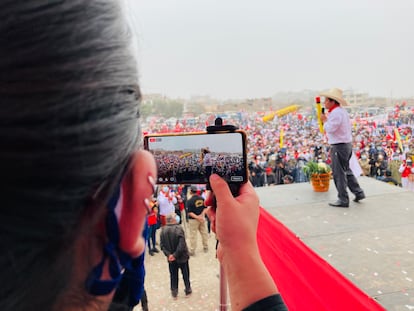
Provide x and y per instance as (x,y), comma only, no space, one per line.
(152,183)
(214,177)
(147,205)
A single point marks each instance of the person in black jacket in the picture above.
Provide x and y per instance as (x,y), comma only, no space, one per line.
(175,248)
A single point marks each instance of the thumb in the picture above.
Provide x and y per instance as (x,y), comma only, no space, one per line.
(221,190)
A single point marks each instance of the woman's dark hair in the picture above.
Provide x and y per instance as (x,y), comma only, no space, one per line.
(68,124)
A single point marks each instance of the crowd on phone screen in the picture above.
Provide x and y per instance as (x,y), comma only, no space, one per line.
(188,166)
(378,150)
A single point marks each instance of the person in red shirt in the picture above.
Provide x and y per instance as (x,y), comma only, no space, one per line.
(405,170)
(153,225)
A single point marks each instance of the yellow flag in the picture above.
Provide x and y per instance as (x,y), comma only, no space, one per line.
(269,117)
(282,133)
(185,155)
(280,113)
(398,137)
(319,113)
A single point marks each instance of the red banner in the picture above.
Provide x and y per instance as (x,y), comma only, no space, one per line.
(305,280)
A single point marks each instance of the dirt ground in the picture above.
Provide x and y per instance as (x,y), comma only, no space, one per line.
(204,276)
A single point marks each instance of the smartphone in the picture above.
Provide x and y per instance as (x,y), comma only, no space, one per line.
(190,158)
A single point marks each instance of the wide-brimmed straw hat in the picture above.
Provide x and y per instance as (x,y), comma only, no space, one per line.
(335,94)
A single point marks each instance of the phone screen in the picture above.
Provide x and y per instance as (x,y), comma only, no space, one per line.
(192,158)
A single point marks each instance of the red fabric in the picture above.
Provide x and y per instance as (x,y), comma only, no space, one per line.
(152,219)
(163,220)
(333,107)
(305,280)
(406,171)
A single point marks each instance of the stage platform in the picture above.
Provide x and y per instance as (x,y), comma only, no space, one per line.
(371,242)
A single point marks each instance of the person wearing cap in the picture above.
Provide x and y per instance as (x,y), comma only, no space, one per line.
(197,220)
(337,126)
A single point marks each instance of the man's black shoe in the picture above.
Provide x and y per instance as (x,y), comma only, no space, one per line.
(174,293)
(339,204)
(359,197)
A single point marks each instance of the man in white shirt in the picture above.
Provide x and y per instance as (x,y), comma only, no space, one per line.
(166,201)
(338,129)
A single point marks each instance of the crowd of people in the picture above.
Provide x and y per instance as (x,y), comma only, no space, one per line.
(273,160)
(188,167)
(78,187)
(379,152)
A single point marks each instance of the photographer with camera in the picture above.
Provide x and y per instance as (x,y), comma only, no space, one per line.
(280,170)
(257,171)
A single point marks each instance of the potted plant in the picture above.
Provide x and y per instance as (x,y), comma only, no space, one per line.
(319,174)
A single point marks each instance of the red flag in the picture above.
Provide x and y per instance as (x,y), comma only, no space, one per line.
(177,128)
(305,280)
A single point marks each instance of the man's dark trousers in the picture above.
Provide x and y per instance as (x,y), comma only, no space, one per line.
(342,174)
(185,270)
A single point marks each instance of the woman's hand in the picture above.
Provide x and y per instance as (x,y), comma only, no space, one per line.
(233,219)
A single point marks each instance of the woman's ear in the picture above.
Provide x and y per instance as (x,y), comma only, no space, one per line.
(137,189)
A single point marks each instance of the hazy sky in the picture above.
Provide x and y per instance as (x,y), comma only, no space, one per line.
(247,49)
(228,142)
